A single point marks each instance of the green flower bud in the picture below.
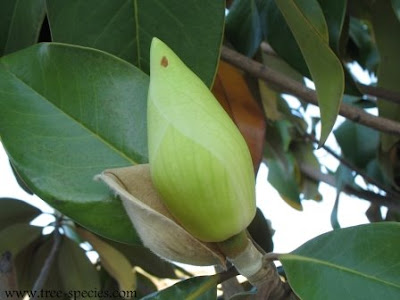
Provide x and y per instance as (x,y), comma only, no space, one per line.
(199,161)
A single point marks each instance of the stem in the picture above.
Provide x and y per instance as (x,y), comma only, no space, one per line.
(259,270)
(295,88)
(388,201)
(379,92)
(227,279)
(44,273)
(354,168)
(248,262)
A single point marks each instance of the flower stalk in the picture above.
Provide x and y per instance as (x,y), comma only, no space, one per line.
(259,270)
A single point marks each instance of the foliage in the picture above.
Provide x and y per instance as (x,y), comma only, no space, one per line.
(74,77)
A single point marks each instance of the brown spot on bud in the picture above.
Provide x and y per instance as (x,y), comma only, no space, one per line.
(164,62)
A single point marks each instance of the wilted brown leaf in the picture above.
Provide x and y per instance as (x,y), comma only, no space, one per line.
(233,93)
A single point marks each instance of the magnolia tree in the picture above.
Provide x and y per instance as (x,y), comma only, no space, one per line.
(143,124)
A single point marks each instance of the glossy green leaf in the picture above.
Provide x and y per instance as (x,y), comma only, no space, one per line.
(364,49)
(344,176)
(373,170)
(358,143)
(282,176)
(81,111)
(335,13)
(125,29)
(283,170)
(304,154)
(385,26)
(76,271)
(16,237)
(307,23)
(16,211)
(20,181)
(362,260)
(270,94)
(196,288)
(396,8)
(20,23)
(279,35)
(243,28)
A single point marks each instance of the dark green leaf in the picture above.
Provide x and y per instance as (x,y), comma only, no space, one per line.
(125,29)
(261,231)
(334,12)
(396,8)
(81,111)
(344,176)
(20,23)
(309,28)
(386,26)
(335,16)
(29,264)
(283,179)
(365,52)
(20,181)
(196,288)
(304,154)
(283,171)
(279,35)
(358,143)
(16,237)
(14,211)
(363,261)
(77,273)
(373,170)
(243,28)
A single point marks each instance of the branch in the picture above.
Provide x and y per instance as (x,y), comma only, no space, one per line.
(44,273)
(379,92)
(388,201)
(351,166)
(295,88)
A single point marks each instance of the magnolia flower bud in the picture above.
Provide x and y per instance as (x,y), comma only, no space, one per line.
(199,161)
